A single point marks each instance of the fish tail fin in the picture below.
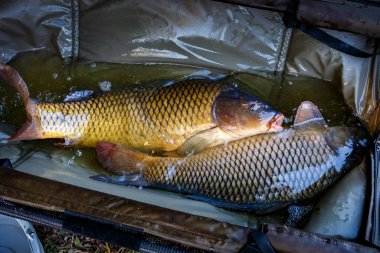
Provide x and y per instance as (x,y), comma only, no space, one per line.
(118,159)
(13,78)
(30,128)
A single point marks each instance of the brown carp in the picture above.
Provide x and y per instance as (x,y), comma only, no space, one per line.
(261,173)
(186,116)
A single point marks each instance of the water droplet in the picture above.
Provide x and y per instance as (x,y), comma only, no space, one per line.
(70,162)
(78,153)
(105,85)
(67,141)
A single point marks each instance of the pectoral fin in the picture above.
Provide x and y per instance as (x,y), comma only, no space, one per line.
(203,140)
(118,159)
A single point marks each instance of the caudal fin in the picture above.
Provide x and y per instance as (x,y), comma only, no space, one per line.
(13,78)
(118,159)
(30,128)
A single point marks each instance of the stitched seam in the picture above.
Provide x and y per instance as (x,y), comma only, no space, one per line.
(107,210)
(75,30)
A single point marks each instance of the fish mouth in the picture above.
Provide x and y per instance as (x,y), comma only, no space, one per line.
(276,122)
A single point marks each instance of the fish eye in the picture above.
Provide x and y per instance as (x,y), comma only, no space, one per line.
(254,106)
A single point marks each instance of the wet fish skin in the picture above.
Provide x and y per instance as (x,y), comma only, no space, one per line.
(198,113)
(159,118)
(261,173)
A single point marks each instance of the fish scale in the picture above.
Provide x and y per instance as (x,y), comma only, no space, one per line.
(247,173)
(162,117)
(185,116)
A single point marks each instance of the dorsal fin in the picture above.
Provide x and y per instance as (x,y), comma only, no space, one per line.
(309,116)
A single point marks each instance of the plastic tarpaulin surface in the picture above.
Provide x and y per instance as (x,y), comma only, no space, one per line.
(200,33)
(35,25)
(226,36)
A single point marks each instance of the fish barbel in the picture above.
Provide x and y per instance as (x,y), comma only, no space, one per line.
(261,173)
(186,116)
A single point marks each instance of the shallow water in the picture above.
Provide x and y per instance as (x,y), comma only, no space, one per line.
(49,79)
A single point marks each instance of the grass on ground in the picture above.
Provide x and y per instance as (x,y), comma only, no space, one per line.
(60,241)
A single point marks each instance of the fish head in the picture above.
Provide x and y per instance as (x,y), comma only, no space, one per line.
(349,145)
(245,115)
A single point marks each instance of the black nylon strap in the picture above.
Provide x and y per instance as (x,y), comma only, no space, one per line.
(249,248)
(331,41)
(6,163)
(261,241)
(290,21)
(257,243)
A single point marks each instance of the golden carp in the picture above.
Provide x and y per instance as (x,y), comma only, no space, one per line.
(186,116)
(261,173)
